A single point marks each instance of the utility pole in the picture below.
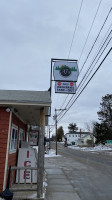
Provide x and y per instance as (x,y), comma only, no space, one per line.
(56,128)
(49,139)
(49,135)
(56,125)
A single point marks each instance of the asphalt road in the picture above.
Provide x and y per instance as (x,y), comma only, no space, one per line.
(89,173)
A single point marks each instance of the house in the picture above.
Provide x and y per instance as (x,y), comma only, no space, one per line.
(72,137)
(86,141)
(18,110)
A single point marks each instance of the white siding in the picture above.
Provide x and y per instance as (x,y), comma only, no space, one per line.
(73,137)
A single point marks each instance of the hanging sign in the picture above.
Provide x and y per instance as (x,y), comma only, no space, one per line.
(65,87)
(66,71)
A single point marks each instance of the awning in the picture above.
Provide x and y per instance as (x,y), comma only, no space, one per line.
(26,104)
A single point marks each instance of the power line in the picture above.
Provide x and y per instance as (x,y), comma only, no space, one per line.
(93,59)
(94,64)
(75,29)
(64,100)
(74,35)
(86,41)
(90,30)
(96,39)
(86,61)
(86,76)
(90,70)
(87,82)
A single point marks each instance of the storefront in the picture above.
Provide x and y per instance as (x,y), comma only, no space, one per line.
(18,110)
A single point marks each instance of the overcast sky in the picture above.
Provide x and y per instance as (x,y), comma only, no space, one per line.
(34,31)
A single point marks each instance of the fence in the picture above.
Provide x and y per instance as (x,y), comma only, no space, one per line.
(15,182)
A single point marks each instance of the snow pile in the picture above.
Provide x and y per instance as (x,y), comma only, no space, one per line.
(48,153)
(35,147)
(101,148)
(96,148)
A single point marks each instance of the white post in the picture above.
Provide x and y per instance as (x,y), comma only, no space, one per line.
(7,151)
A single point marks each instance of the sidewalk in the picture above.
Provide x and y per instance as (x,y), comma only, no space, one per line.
(59,187)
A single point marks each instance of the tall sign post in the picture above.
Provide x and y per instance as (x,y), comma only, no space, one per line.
(65,73)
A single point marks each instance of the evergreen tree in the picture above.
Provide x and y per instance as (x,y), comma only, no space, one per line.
(102,133)
(103,130)
(105,113)
(60,133)
(72,127)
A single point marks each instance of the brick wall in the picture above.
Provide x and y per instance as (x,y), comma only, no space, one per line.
(4,126)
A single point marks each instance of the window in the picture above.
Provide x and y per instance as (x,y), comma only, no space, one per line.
(69,135)
(21,137)
(73,135)
(13,142)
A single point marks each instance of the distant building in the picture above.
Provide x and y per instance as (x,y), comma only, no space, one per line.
(85,141)
(74,136)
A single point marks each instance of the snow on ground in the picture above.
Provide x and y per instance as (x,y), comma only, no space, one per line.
(107,147)
(48,153)
(96,148)
(51,153)
(35,147)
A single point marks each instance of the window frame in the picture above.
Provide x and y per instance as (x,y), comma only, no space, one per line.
(14,140)
(21,139)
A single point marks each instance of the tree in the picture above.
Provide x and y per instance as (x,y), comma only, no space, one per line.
(102,133)
(90,126)
(72,127)
(53,137)
(60,133)
(105,113)
(103,130)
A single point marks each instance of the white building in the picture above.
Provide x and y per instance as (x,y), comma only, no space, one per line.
(72,137)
